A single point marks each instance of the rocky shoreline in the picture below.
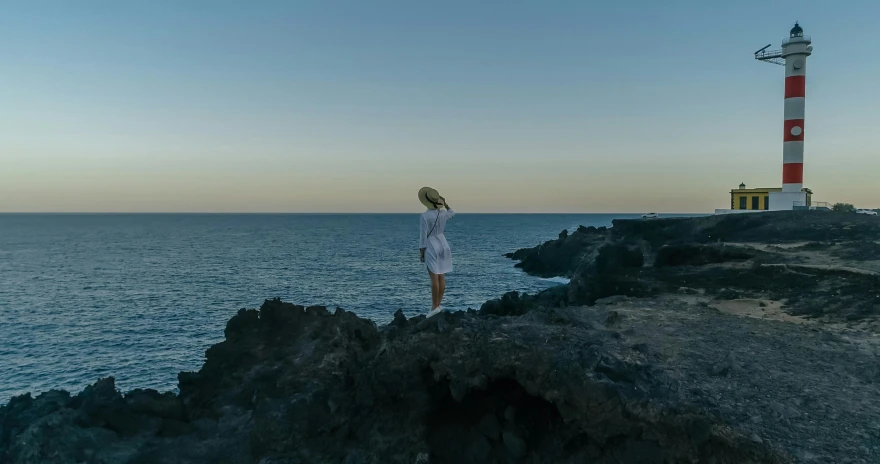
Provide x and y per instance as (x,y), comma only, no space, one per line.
(729,339)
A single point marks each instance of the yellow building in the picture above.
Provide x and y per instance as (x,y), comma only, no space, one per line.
(757,198)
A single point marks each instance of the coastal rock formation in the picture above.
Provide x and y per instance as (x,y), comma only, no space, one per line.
(560,256)
(770,319)
(302,385)
(824,265)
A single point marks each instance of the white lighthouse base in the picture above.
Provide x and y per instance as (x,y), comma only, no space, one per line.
(787,201)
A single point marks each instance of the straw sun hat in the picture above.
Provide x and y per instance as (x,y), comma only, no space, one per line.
(430,198)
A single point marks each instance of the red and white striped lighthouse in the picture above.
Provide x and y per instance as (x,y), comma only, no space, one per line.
(795,51)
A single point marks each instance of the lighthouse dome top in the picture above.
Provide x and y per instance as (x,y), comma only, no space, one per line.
(798,40)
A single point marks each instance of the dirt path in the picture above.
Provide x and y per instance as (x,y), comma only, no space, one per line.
(794,384)
(826,267)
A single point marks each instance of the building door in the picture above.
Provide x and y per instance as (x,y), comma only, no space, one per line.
(767,202)
(755,204)
(742,202)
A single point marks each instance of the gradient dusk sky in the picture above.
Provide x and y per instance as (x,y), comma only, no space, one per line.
(351,106)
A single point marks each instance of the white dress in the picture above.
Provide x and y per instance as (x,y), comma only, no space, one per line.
(438,257)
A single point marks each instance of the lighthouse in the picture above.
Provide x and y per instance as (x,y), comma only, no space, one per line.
(793,56)
(795,51)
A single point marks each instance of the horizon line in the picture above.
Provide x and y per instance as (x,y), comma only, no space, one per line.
(304,213)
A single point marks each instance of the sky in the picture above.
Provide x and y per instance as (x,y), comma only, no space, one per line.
(352,106)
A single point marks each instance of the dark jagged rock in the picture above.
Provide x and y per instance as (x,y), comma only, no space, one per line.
(100,421)
(698,255)
(563,256)
(297,385)
(765,227)
(560,257)
(510,304)
(614,271)
(715,255)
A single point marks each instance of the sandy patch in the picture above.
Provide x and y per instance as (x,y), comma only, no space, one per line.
(748,307)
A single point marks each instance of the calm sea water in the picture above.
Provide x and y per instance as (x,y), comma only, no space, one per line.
(141,296)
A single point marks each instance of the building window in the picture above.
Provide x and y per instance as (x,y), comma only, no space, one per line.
(742,202)
(767,202)
(755,201)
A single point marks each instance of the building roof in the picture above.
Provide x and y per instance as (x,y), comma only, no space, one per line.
(763,189)
(766,189)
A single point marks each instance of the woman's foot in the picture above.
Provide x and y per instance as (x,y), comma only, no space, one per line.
(435,311)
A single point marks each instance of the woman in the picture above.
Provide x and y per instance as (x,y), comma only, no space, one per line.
(433,248)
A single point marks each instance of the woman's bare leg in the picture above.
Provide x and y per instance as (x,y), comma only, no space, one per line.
(435,289)
(442,281)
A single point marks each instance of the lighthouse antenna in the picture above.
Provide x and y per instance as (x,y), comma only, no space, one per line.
(770,56)
(765,48)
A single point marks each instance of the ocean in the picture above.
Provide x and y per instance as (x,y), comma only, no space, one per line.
(142,296)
